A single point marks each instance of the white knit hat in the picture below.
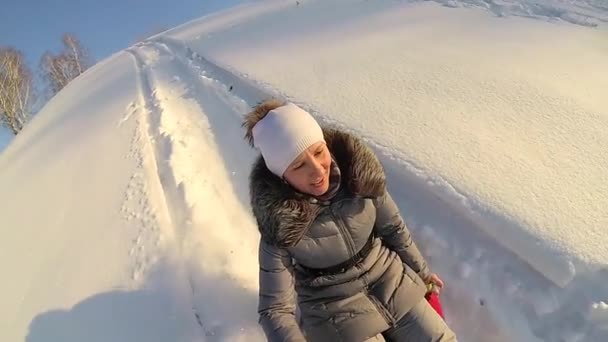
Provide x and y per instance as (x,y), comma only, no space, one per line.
(283,134)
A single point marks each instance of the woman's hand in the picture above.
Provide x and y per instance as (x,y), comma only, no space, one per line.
(436,282)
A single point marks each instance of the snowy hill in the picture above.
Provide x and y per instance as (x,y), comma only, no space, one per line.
(125,213)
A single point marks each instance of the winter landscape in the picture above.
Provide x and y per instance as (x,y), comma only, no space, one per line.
(125,210)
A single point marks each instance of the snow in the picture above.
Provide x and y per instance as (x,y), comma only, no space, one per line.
(590,13)
(111,188)
(485,115)
(83,223)
(126,215)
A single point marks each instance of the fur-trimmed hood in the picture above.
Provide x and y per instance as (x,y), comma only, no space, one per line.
(283,214)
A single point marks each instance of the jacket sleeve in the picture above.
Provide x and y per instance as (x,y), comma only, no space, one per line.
(393,231)
(277,302)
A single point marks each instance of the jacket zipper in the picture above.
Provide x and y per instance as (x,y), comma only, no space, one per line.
(345,234)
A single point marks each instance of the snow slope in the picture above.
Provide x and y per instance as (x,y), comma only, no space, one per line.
(83,226)
(591,13)
(106,232)
(128,215)
(486,114)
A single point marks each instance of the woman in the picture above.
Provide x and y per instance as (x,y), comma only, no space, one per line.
(332,236)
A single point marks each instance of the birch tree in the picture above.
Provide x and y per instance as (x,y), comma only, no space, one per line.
(16,92)
(60,69)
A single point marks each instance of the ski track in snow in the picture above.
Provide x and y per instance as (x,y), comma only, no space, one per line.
(161,145)
(449,229)
(177,136)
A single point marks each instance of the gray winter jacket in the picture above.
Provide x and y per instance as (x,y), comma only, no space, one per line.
(299,232)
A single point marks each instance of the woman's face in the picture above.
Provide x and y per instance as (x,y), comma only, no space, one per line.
(309,172)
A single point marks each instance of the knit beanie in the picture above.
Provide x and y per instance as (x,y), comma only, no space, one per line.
(283,134)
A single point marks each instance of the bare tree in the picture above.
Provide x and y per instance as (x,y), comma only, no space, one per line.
(16,92)
(76,53)
(58,70)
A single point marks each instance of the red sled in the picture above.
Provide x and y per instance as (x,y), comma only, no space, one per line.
(433,298)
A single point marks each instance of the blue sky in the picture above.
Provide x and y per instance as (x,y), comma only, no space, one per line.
(104,27)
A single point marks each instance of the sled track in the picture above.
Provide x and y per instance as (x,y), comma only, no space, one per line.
(173,197)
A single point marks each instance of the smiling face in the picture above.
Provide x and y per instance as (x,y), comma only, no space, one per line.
(309,172)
